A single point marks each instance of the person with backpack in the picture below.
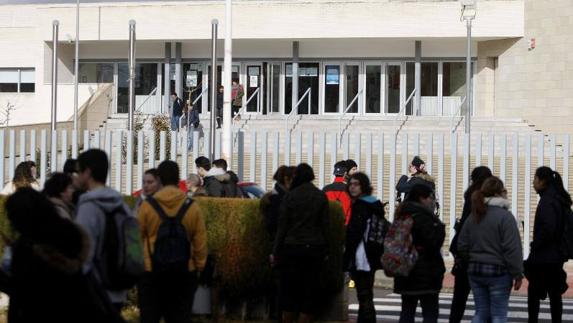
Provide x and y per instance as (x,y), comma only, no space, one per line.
(115,253)
(419,280)
(175,247)
(544,266)
(491,246)
(301,246)
(46,282)
(364,243)
(212,185)
(462,284)
(338,190)
(418,175)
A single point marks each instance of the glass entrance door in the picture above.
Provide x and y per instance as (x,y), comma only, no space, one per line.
(235,77)
(273,87)
(352,85)
(145,84)
(307,79)
(373,88)
(254,88)
(393,72)
(332,75)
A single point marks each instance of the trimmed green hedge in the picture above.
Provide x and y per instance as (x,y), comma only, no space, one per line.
(241,245)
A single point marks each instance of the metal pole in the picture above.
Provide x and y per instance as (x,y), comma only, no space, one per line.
(131,75)
(468,76)
(76,74)
(55,31)
(295,57)
(213,86)
(227,115)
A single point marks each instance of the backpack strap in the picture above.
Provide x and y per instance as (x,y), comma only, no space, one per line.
(153,202)
(183,210)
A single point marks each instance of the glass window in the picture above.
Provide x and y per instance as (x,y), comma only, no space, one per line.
(9,80)
(27,81)
(145,82)
(393,88)
(16,80)
(332,88)
(454,86)
(352,73)
(410,86)
(373,84)
(96,73)
(429,89)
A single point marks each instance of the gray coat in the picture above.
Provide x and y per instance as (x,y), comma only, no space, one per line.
(495,240)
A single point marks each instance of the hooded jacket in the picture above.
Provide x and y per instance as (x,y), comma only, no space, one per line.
(170,198)
(47,283)
(92,208)
(230,184)
(212,184)
(428,234)
(337,192)
(362,211)
(304,219)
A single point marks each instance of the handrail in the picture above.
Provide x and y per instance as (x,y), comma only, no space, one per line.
(346,111)
(295,108)
(454,115)
(257,93)
(152,93)
(402,111)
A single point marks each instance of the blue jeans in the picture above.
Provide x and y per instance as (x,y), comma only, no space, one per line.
(175,122)
(491,296)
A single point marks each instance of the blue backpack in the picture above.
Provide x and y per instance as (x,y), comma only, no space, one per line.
(172,249)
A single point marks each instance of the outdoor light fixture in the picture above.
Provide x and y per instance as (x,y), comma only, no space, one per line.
(469,9)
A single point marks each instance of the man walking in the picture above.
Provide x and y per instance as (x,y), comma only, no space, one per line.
(337,191)
(94,206)
(175,244)
(176,111)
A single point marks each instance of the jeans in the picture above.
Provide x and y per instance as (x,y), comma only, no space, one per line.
(430,308)
(175,122)
(168,297)
(364,283)
(491,295)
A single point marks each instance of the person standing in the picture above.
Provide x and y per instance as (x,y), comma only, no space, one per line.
(424,282)
(418,175)
(212,185)
(60,190)
(237,94)
(94,207)
(24,176)
(338,190)
(176,111)
(462,284)
(544,266)
(151,185)
(195,186)
(220,106)
(301,246)
(361,255)
(175,248)
(490,244)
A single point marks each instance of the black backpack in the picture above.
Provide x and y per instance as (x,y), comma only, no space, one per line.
(566,243)
(172,246)
(374,240)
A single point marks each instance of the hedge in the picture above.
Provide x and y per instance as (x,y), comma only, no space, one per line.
(241,246)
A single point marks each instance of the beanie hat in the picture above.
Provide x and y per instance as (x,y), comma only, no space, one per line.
(417,162)
(340,169)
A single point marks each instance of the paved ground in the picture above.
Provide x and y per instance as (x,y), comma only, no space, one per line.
(388,308)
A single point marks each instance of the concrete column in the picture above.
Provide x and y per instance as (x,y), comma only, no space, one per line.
(418,79)
(178,71)
(295,57)
(167,80)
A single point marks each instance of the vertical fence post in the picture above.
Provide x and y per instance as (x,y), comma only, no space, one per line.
(478,150)
(466,164)
(540,150)
(404,166)
(241,153)
(392,196)
(346,145)
(333,152)
(117,153)
(430,153)
(86,140)
(253,158)
(380,179)
(566,149)
(441,178)
(502,158)
(368,154)
(12,155)
(64,146)
(310,148)
(54,152)
(322,159)
(2,158)
(264,153)
(32,145)
(162,146)
(553,153)
(108,148)
(276,150)
(22,146)
(527,197)
(416,144)
(74,143)
(287,147)
(491,152)
(358,148)
(152,149)
(129,163)
(97,139)
(196,151)
(453,182)
(217,145)
(515,176)
(43,156)
(140,158)
(173,149)
(206,144)
(185,155)
(298,151)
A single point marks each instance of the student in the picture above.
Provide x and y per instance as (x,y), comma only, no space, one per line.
(338,190)
(151,185)
(418,175)
(212,185)
(24,176)
(60,190)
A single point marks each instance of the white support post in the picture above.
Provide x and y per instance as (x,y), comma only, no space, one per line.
(515,176)
(86,140)
(380,173)
(253,158)
(416,144)
(118,171)
(108,147)
(12,155)
(358,148)
(405,163)
(287,148)
(368,153)
(298,150)
(2,158)
(74,144)
(453,182)
(64,138)
(502,159)
(392,197)
(322,159)
(22,146)
(185,155)
(129,164)
(566,149)
(32,145)
(430,153)
(152,148)
(540,150)
(276,150)
(140,159)
(264,153)
(196,151)
(54,152)
(346,146)
(333,152)
(97,139)
(241,154)
(491,152)
(173,146)
(478,150)
(162,145)
(217,145)
(310,148)
(43,155)
(466,165)
(206,144)
(441,178)
(527,197)
(553,153)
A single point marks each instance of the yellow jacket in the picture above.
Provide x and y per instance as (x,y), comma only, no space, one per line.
(171,199)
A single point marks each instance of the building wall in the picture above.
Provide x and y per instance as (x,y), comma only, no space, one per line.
(535,84)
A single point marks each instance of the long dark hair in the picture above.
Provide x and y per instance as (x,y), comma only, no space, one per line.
(551,178)
(478,177)
(302,174)
(23,175)
(491,187)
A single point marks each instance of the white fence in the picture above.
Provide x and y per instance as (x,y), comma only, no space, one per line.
(383,156)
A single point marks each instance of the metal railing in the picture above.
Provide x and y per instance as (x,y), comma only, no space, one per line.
(295,108)
(340,131)
(454,115)
(402,112)
(152,93)
(242,109)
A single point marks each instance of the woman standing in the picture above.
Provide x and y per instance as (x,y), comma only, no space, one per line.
(544,266)
(24,176)
(60,190)
(363,259)
(424,282)
(462,283)
(490,244)
(301,246)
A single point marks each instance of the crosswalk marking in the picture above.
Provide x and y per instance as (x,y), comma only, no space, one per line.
(388,309)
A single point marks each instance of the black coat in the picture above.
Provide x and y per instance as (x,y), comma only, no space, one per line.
(428,234)
(270,207)
(362,211)
(406,184)
(47,283)
(547,229)
(466,211)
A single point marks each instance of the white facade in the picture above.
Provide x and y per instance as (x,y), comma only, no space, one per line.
(369,46)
